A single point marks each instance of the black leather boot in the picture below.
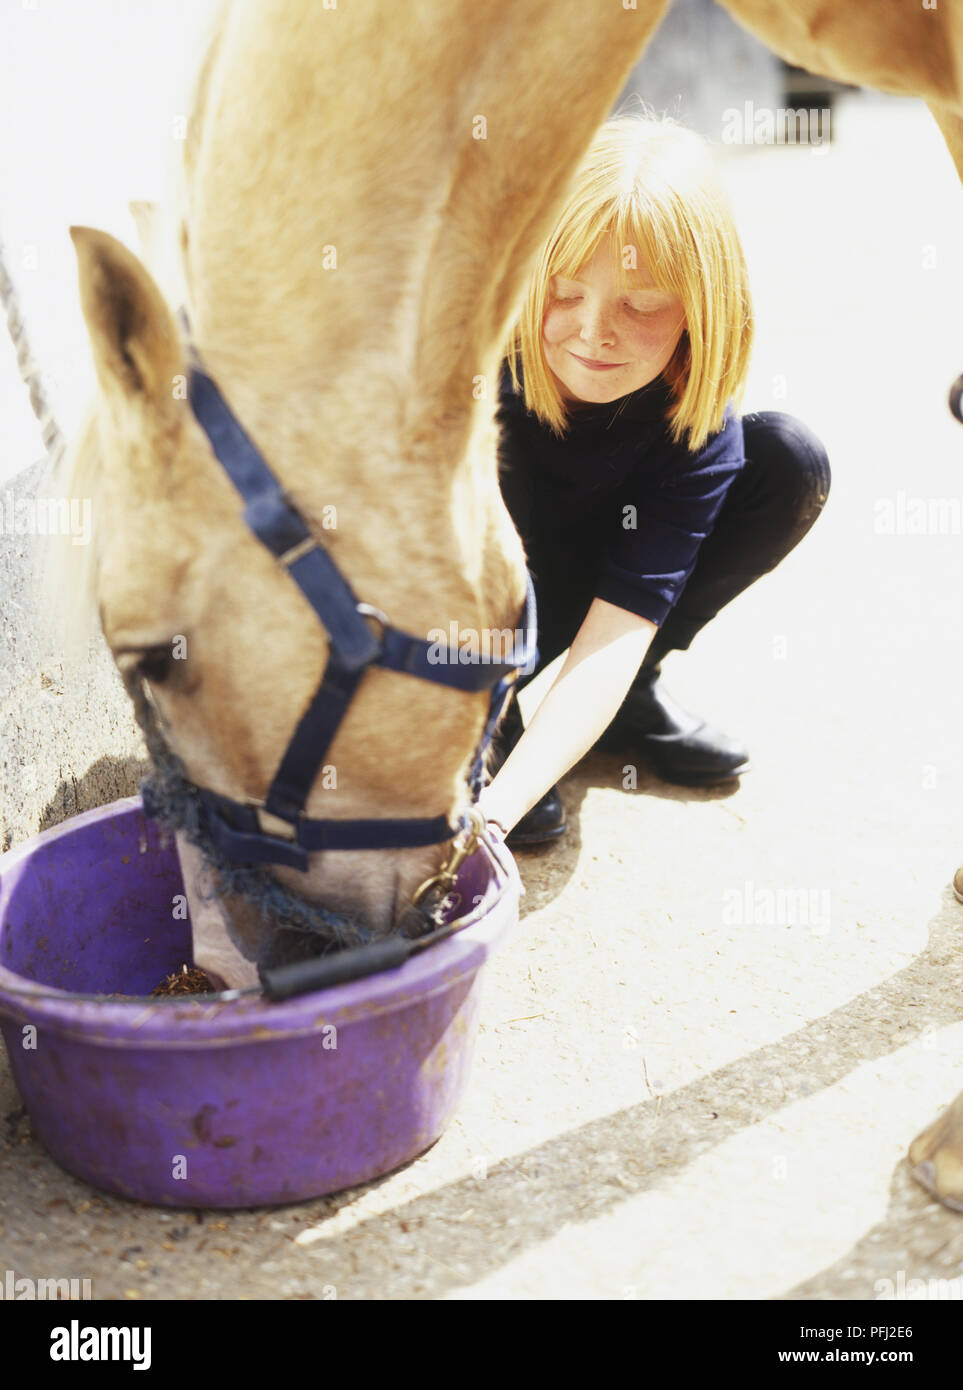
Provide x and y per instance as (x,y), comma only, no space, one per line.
(678,746)
(546,820)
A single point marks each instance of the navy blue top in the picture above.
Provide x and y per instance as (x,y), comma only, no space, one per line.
(615,456)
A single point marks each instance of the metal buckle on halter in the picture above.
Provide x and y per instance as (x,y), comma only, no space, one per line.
(368,610)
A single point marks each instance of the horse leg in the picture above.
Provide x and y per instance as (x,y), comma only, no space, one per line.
(936,1156)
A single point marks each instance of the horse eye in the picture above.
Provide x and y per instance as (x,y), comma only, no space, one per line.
(155,663)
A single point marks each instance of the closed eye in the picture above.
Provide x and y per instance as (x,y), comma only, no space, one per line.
(632,308)
(156,663)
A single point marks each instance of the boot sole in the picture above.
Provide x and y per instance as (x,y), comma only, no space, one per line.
(622,747)
(695,779)
(543,837)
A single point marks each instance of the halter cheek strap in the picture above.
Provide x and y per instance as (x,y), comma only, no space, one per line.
(241,829)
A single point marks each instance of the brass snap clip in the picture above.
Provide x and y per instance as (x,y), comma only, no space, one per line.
(464,845)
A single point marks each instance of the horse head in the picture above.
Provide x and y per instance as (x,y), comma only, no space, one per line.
(351,267)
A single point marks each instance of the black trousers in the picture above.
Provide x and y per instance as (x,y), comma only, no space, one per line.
(768,509)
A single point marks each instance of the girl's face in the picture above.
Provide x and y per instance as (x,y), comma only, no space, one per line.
(601,342)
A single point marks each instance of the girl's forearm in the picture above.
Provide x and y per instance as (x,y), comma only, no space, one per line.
(577,709)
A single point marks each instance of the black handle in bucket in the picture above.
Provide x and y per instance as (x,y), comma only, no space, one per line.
(304,976)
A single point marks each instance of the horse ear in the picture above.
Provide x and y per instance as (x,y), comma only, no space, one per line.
(136,345)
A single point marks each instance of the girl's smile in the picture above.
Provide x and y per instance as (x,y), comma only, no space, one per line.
(602,341)
(598,366)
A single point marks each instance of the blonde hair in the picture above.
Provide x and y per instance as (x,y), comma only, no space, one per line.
(650,182)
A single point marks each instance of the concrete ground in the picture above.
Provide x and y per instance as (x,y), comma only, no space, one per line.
(725,1013)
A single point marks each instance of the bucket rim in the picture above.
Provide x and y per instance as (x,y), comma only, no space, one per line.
(186,1022)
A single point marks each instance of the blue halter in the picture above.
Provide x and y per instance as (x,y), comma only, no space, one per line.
(236,826)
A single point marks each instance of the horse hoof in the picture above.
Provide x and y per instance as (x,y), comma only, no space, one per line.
(958,884)
(936,1157)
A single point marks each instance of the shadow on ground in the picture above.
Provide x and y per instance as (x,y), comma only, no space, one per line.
(529,1198)
(108,779)
(602,770)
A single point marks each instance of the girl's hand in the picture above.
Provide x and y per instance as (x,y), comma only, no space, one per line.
(495,825)
(602,661)
(496,830)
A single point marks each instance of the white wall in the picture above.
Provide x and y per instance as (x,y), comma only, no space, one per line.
(90,93)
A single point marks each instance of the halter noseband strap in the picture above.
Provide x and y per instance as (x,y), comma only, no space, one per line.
(239,827)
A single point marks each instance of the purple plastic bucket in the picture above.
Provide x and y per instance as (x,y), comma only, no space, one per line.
(194,1103)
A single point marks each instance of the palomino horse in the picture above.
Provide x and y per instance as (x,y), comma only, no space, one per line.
(366,185)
